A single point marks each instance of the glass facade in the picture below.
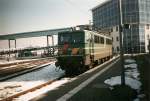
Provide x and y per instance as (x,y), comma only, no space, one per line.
(106,15)
(136,13)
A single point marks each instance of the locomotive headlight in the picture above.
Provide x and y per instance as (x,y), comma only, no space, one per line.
(76,51)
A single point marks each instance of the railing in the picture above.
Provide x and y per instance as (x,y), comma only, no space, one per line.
(51,49)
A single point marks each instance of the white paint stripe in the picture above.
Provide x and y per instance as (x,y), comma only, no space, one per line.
(84,84)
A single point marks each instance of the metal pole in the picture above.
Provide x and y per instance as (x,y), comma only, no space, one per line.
(121,44)
(130,36)
(15,43)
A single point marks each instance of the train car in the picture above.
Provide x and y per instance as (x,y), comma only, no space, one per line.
(80,50)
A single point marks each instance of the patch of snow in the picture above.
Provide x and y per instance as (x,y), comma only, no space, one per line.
(29,80)
(41,91)
(132,71)
(141,95)
(137,99)
(135,84)
(15,61)
(129,61)
(132,76)
(133,65)
(111,88)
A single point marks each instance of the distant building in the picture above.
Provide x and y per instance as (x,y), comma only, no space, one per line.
(136,13)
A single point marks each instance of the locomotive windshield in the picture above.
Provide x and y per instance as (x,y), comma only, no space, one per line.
(71,38)
(65,38)
(77,38)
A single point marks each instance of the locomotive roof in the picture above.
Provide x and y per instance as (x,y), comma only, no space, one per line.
(100,34)
(95,32)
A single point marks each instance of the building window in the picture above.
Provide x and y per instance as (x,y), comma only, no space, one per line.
(116,28)
(117,38)
(147,26)
(118,49)
(111,29)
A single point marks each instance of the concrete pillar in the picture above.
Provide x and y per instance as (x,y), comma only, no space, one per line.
(9,50)
(15,44)
(53,43)
(15,48)
(48,44)
(52,40)
(47,41)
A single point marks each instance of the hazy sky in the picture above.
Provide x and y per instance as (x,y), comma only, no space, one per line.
(32,15)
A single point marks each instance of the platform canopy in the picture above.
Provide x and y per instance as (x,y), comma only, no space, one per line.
(33,34)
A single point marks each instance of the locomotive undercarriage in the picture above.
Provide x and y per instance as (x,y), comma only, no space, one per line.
(72,64)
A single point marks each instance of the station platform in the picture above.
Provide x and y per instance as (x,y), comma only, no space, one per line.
(89,86)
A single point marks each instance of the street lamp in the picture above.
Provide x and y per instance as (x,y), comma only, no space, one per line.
(121,44)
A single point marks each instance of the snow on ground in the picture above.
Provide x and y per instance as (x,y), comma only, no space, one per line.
(129,61)
(133,83)
(132,76)
(29,80)
(137,99)
(43,90)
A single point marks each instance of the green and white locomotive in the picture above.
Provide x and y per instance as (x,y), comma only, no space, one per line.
(80,50)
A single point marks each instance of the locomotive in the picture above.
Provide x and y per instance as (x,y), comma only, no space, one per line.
(79,50)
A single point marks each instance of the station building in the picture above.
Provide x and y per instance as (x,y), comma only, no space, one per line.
(136,14)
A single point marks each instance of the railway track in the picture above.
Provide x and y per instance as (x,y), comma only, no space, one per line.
(10,98)
(16,69)
(14,97)
(28,82)
(22,72)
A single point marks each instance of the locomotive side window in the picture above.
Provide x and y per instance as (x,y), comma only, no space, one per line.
(98,39)
(101,40)
(108,41)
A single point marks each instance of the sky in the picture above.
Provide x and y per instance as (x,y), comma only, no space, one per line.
(33,15)
(18,16)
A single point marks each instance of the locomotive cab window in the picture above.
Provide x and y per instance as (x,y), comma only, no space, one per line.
(77,38)
(70,37)
(64,38)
